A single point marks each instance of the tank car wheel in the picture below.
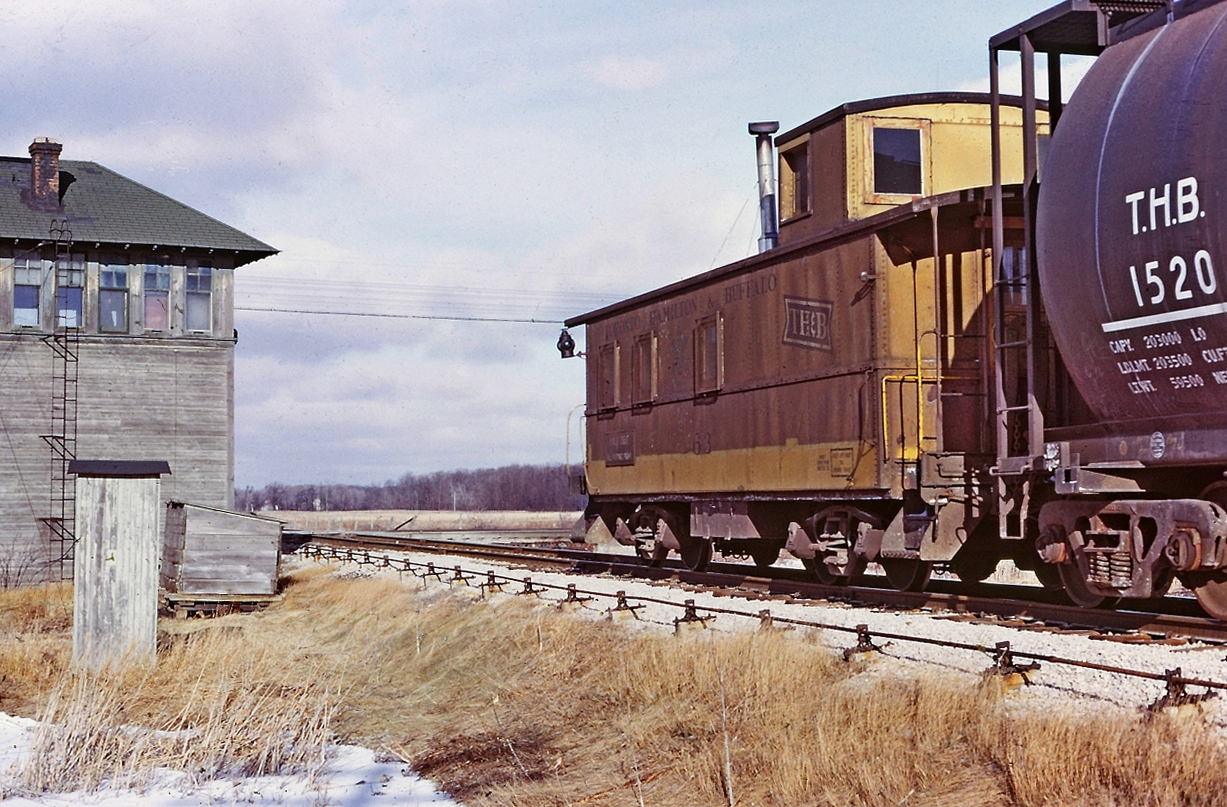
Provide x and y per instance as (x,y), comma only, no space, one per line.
(1076,588)
(1049,576)
(696,553)
(905,574)
(1211,591)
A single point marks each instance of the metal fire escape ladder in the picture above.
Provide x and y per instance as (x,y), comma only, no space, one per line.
(65,349)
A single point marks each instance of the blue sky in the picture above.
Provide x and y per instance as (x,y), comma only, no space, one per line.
(466,157)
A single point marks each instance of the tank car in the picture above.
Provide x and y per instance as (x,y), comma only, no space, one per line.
(1131,231)
(956,351)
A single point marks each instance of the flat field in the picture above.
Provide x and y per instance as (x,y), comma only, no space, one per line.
(419,520)
(510,700)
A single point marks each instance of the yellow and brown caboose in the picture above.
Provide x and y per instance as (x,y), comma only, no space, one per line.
(832,394)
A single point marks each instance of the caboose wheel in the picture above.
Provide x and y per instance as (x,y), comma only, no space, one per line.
(974,568)
(1076,588)
(906,574)
(655,557)
(823,572)
(764,558)
(696,553)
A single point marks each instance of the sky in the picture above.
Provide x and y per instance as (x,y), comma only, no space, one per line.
(453,158)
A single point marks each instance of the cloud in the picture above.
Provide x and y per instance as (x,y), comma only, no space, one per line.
(1073,69)
(490,158)
(628,74)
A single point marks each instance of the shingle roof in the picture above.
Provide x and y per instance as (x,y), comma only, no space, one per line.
(102,206)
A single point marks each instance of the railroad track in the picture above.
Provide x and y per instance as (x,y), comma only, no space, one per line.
(385,551)
(1021,607)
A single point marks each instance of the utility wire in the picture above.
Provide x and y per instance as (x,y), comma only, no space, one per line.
(399,316)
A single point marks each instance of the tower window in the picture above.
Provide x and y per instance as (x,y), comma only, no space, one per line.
(199,296)
(157,297)
(113,296)
(27,290)
(69,287)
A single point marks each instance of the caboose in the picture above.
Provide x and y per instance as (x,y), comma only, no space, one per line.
(961,345)
(838,384)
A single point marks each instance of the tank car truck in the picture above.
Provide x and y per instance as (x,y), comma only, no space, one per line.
(1130,235)
(988,328)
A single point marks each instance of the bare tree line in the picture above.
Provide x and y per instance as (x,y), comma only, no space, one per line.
(512,487)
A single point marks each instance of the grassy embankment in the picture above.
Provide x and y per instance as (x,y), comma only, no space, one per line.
(513,702)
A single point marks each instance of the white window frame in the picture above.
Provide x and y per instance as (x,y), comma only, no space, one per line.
(198,288)
(158,271)
(26,267)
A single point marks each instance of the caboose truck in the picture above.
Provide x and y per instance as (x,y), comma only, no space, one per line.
(942,362)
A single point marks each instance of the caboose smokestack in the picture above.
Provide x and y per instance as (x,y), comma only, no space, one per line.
(766,183)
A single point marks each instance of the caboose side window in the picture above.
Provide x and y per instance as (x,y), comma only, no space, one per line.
(896,162)
(643,369)
(709,361)
(607,378)
(794,182)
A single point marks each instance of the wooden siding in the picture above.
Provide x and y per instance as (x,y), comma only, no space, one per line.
(140,398)
(789,415)
(211,551)
(115,588)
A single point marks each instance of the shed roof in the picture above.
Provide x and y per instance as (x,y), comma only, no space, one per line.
(101,206)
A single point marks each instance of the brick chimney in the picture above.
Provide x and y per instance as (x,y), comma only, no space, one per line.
(45,173)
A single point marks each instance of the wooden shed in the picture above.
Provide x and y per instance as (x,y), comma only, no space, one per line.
(115,603)
(214,552)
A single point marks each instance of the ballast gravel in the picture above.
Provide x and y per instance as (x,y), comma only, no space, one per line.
(1195,660)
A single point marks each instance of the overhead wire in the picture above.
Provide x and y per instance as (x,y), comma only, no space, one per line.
(447,318)
(316,296)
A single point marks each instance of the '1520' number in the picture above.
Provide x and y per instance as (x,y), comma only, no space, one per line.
(1203,269)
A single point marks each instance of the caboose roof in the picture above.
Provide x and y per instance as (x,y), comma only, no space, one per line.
(101,206)
(893,101)
(896,228)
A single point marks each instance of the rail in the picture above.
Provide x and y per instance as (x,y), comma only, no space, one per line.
(1003,654)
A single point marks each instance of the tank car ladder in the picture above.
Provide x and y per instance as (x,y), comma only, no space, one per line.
(1019,423)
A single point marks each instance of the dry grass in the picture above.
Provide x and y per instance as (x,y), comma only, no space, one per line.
(214,705)
(517,703)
